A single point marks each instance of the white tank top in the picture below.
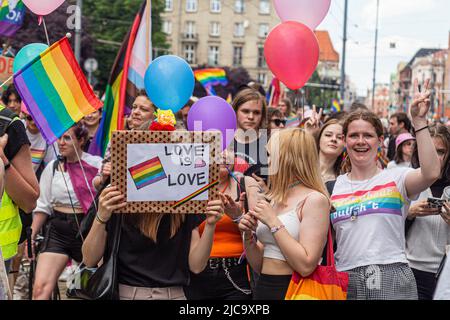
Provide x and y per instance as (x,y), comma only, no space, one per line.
(291,221)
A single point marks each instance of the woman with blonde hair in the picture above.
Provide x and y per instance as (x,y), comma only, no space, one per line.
(291,224)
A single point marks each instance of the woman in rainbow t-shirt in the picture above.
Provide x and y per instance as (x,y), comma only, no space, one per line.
(372,206)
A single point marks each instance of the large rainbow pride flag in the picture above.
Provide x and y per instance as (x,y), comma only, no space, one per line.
(11,17)
(210,78)
(126,79)
(147,173)
(55,90)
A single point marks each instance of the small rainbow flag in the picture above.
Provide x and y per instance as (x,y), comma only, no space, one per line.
(292,122)
(335,106)
(195,194)
(11,17)
(210,78)
(55,90)
(37,156)
(147,173)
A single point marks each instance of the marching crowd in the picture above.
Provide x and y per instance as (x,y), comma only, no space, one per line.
(377,183)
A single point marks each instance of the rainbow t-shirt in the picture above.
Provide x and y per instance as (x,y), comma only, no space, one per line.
(37,156)
(370,219)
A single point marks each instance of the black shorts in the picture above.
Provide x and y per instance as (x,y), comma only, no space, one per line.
(61,235)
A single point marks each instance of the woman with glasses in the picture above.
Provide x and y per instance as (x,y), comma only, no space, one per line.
(276,120)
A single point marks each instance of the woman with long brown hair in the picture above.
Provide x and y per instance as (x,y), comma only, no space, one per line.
(291,225)
(372,205)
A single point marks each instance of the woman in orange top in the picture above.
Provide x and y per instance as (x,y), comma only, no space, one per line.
(225,276)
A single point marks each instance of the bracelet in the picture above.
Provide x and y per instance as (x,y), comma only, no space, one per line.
(416,131)
(100,220)
(238,219)
(276,229)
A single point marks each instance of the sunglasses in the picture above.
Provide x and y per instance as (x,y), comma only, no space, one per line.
(29,118)
(279,122)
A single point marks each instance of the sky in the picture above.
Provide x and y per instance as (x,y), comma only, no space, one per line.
(410,24)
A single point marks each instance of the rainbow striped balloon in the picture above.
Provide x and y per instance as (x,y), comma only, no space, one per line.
(147,173)
(55,90)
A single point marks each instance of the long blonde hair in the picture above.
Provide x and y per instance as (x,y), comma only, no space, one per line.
(148,224)
(293,157)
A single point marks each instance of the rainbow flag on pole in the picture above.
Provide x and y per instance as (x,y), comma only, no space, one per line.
(335,106)
(210,78)
(55,90)
(147,173)
(126,79)
(11,17)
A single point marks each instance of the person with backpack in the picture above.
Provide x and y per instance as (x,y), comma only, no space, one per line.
(66,195)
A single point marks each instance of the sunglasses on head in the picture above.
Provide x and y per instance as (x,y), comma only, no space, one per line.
(279,122)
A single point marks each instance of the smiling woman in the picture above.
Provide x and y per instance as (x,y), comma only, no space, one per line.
(372,206)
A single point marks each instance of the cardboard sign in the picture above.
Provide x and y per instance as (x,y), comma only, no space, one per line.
(6,70)
(166,172)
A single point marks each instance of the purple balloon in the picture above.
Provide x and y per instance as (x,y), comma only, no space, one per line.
(213,113)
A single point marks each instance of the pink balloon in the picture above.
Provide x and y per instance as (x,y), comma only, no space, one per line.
(43,7)
(292,53)
(308,12)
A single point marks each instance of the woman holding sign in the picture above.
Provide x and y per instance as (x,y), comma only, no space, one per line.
(156,251)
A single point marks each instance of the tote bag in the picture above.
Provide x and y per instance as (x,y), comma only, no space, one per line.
(325,283)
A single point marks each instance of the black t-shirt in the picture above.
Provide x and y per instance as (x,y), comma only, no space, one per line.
(391,148)
(17,137)
(142,263)
(253,155)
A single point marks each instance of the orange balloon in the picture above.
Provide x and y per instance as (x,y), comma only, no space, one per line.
(292,53)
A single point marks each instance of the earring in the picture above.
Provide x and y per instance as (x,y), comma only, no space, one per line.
(380,157)
(344,154)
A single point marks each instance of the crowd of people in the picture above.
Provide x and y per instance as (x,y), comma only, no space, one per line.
(375,182)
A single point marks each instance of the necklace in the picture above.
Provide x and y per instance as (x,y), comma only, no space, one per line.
(293,185)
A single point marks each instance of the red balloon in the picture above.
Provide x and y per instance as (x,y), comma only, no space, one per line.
(292,53)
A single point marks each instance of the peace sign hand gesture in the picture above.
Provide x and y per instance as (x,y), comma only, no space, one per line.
(313,123)
(421,104)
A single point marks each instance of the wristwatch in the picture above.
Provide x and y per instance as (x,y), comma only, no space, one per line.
(274,230)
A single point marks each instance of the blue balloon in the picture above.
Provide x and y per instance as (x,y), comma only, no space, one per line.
(27,54)
(169,82)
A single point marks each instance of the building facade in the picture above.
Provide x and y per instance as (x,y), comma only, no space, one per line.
(381,101)
(221,33)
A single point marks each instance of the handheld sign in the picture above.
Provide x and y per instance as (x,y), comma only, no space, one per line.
(166,172)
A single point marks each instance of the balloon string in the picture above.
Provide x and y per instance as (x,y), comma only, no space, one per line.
(46,33)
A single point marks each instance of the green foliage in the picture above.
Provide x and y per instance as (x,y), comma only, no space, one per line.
(318,96)
(109,21)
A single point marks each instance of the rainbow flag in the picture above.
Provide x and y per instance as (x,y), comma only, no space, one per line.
(11,17)
(55,90)
(335,106)
(126,79)
(147,173)
(210,78)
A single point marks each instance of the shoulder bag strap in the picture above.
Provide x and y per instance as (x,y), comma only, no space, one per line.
(330,253)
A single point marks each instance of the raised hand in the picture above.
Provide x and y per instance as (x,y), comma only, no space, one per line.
(421,104)
(313,123)
(214,212)
(231,207)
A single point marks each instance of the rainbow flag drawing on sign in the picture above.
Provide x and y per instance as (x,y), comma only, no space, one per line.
(335,106)
(147,173)
(210,78)
(12,15)
(55,90)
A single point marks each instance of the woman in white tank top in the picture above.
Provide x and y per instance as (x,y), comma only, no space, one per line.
(291,227)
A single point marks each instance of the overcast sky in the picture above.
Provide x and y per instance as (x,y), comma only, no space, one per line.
(411,24)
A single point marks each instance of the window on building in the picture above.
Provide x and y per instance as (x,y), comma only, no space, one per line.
(263,30)
(191,5)
(215,29)
(264,6)
(189,53)
(262,79)
(216,5)
(239,30)
(239,6)
(168,5)
(261,59)
(213,56)
(237,56)
(167,27)
(190,29)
